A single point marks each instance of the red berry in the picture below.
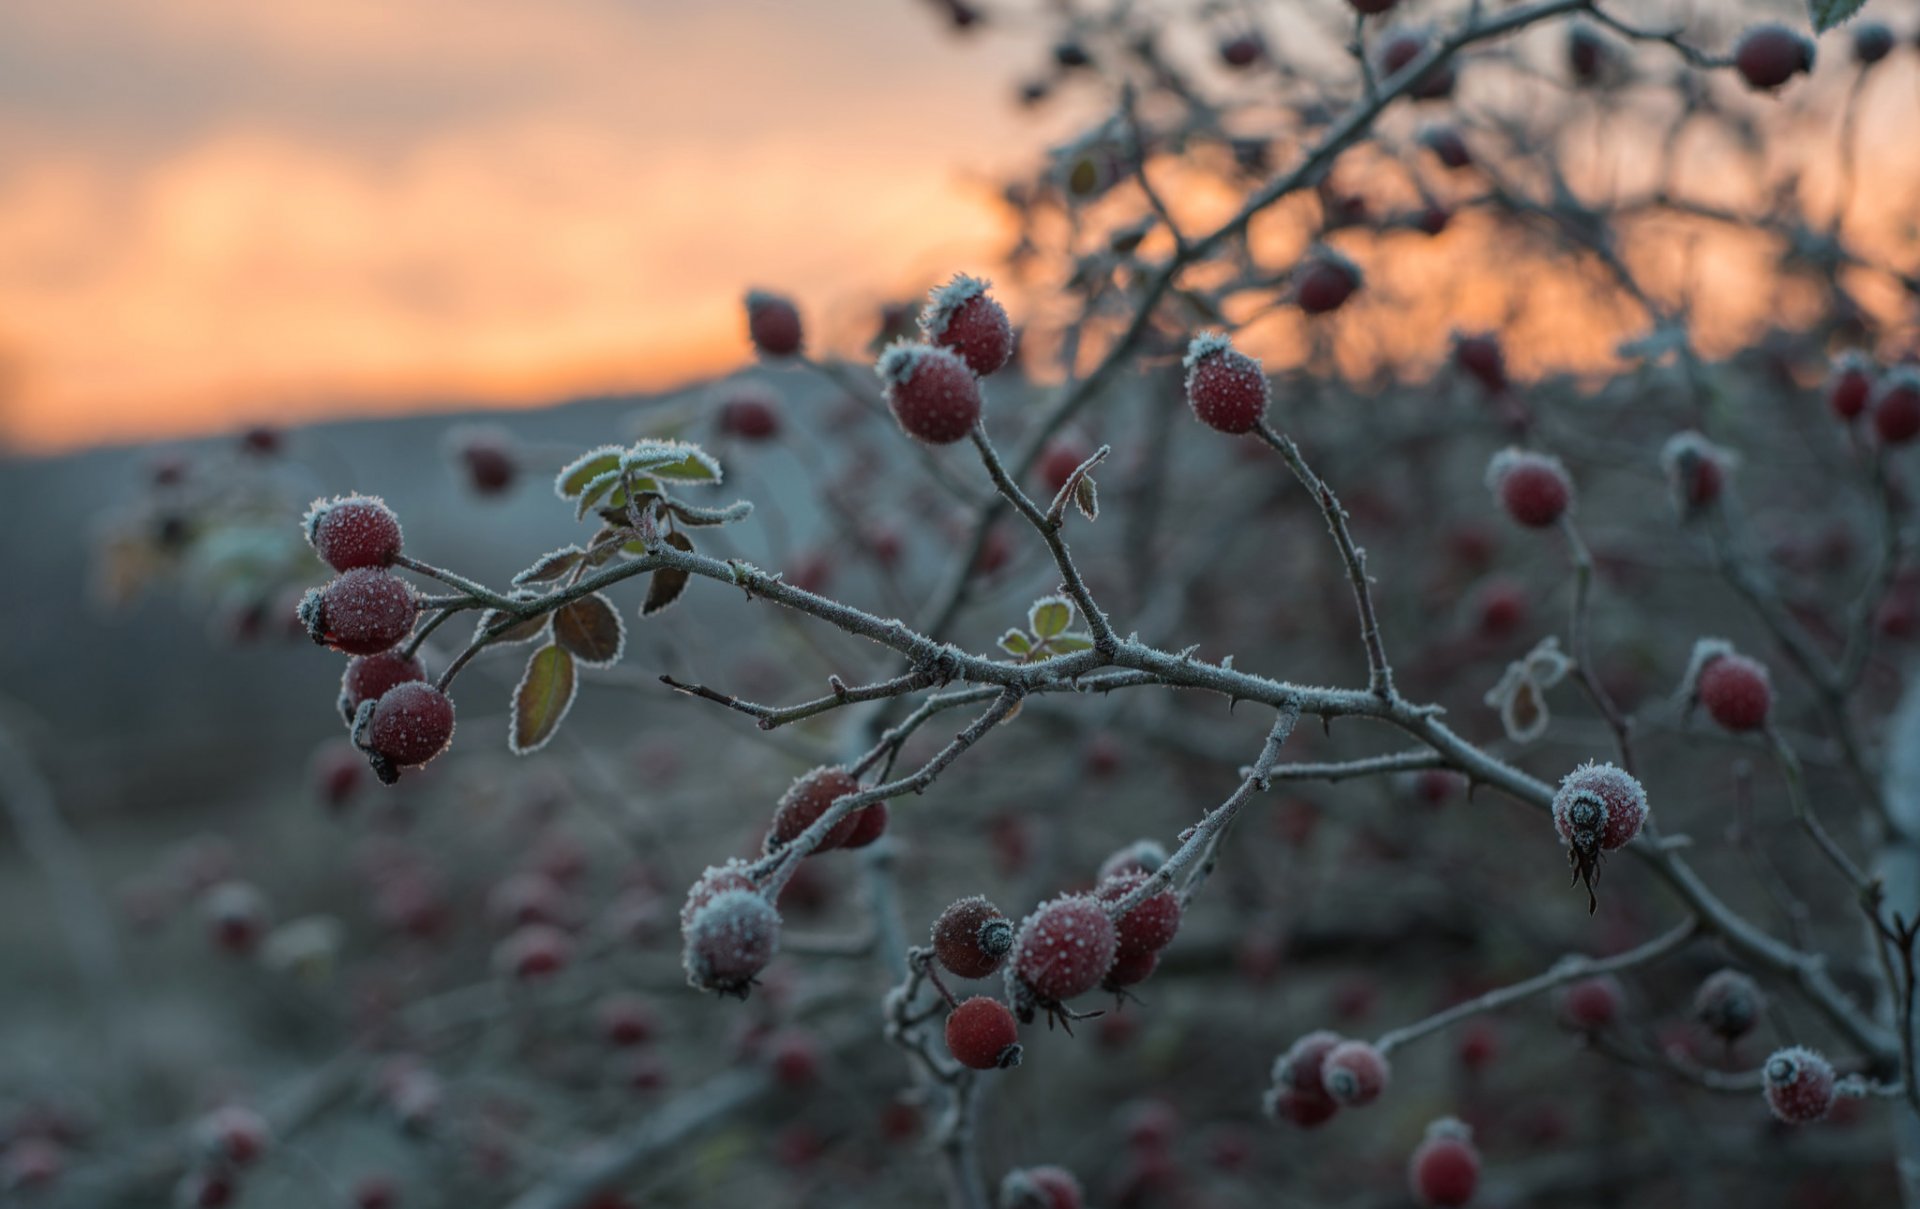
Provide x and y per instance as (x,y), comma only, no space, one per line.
(204,1188)
(1735,690)
(1242,50)
(1769,55)
(1324,283)
(362,612)
(626,1019)
(1445,1168)
(351,531)
(1061,457)
(1729,1004)
(1354,1073)
(1435,785)
(1447,146)
(1696,471)
(963,317)
(262,440)
(1372,8)
(1592,1004)
(233,1134)
(1141,856)
(795,1058)
(375,1192)
(1401,49)
(809,797)
(1799,1085)
(751,412)
(236,916)
(1131,969)
(869,824)
(1850,383)
(773,324)
(729,938)
(1041,1188)
(368,677)
(489,457)
(530,898)
(1298,1094)
(981,1034)
(1147,929)
(1063,949)
(338,770)
(533,952)
(1479,1045)
(1532,487)
(1872,42)
(1225,387)
(932,392)
(1599,804)
(409,725)
(1482,357)
(971,938)
(1501,607)
(1896,410)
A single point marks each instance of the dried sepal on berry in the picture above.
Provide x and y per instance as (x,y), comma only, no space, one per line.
(1597,809)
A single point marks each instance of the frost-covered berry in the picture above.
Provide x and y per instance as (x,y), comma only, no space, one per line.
(1226,388)
(1533,488)
(351,531)
(1447,146)
(1063,949)
(1146,929)
(1061,457)
(1850,384)
(1592,1004)
(409,725)
(1597,809)
(773,323)
(1354,1073)
(1872,42)
(1769,55)
(1481,357)
(1735,690)
(1041,1188)
(809,797)
(1799,1085)
(368,677)
(1896,409)
(362,612)
(869,824)
(933,393)
(1298,1094)
(236,915)
(717,880)
(625,1019)
(1324,282)
(1729,1004)
(232,1134)
(1141,856)
(1445,1168)
(751,412)
(981,1034)
(730,936)
(1697,471)
(533,952)
(963,317)
(971,938)
(1130,969)
(1402,48)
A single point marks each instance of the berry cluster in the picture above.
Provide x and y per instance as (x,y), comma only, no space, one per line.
(933,386)
(1321,1073)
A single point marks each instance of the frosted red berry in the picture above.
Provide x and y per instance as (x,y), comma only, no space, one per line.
(750,412)
(1298,1094)
(1141,856)
(1850,384)
(730,936)
(1354,1073)
(351,531)
(981,1034)
(1591,1005)
(809,797)
(933,394)
(409,725)
(1061,950)
(773,324)
(1799,1085)
(1729,1004)
(233,1134)
(869,824)
(362,612)
(1445,1167)
(1697,472)
(1041,1188)
(489,458)
(1324,283)
(236,915)
(1226,388)
(1533,488)
(1146,929)
(625,1019)
(1735,690)
(533,952)
(1482,358)
(971,939)
(1599,806)
(1769,55)
(1896,407)
(1402,48)
(963,317)
(368,677)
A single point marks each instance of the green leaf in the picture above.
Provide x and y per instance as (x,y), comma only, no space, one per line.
(594,489)
(1829,13)
(542,700)
(1066,644)
(674,460)
(590,628)
(1049,615)
(585,469)
(666,584)
(1015,642)
(551,566)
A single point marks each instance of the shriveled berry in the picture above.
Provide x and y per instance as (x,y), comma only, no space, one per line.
(971,938)
(809,797)
(351,531)
(773,323)
(362,612)
(1041,1188)
(1896,409)
(1225,387)
(1729,1004)
(1769,55)
(1354,1073)
(1399,50)
(1799,1085)
(1063,949)
(1532,487)
(1482,357)
(933,394)
(1324,282)
(1445,1167)
(981,1034)
(1592,1004)
(963,317)
(409,725)
(368,677)
(1850,384)
(729,939)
